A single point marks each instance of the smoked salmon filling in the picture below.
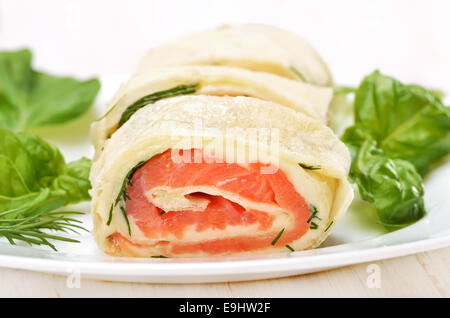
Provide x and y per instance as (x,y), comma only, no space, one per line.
(166,186)
(218,146)
(213,208)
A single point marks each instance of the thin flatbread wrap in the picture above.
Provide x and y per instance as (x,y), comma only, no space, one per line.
(254,47)
(215,176)
(144,89)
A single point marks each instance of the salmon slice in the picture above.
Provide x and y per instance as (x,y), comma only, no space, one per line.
(215,213)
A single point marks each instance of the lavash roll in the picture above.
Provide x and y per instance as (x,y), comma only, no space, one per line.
(311,100)
(314,161)
(254,47)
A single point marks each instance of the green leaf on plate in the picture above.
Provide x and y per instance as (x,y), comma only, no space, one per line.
(393,186)
(399,132)
(36,182)
(30,164)
(408,121)
(29,98)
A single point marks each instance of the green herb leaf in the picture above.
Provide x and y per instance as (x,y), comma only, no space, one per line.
(314,226)
(29,98)
(399,131)
(289,248)
(314,211)
(392,185)
(275,240)
(127,182)
(153,98)
(31,164)
(123,195)
(110,214)
(328,226)
(407,121)
(307,167)
(124,213)
(39,183)
(73,183)
(298,74)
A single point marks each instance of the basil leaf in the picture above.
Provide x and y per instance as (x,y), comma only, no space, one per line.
(43,155)
(408,121)
(29,98)
(32,167)
(354,136)
(399,131)
(73,184)
(393,186)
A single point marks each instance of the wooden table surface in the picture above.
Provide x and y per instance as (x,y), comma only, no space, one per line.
(421,275)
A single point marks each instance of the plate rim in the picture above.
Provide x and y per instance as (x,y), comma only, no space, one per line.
(159,270)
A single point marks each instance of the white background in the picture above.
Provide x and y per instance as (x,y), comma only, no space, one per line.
(408,39)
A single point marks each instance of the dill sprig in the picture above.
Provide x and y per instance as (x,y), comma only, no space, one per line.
(314,226)
(153,98)
(127,182)
(314,211)
(126,219)
(108,222)
(298,74)
(123,195)
(275,240)
(27,223)
(329,225)
(290,248)
(307,167)
(123,192)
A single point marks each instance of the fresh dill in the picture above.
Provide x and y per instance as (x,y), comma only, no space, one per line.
(290,248)
(110,215)
(329,225)
(153,98)
(126,219)
(28,222)
(314,211)
(123,189)
(307,167)
(298,74)
(275,240)
(127,181)
(314,226)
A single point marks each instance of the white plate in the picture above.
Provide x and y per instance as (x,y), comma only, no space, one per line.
(356,239)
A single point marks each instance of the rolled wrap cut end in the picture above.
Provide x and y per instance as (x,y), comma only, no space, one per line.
(215,204)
